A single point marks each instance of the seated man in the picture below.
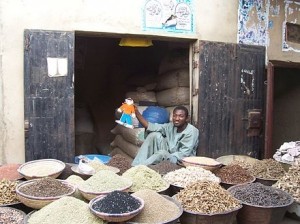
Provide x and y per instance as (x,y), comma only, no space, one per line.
(171,141)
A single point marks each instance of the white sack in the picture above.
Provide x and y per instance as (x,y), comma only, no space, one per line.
(117,150)
(141,96)
(175,59)
(175,78)
(173,97)
(127,147)
(134,136)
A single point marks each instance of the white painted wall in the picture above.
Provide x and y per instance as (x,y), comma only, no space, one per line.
(215,20)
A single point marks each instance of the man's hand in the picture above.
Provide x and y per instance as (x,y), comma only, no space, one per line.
(172,159)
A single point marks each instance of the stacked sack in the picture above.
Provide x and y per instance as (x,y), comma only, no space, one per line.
(173,84)
(127,141)
(167,90)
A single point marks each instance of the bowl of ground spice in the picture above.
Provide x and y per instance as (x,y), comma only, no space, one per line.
(38,193)
(41,168)
(158,208)
(117,206)
(10,172)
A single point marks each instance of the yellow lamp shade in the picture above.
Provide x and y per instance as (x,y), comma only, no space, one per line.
(135,42)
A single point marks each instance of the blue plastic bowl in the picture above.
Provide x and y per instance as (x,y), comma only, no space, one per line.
(103,158)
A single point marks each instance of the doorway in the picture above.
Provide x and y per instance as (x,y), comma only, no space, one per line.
(105,74)
(283,105)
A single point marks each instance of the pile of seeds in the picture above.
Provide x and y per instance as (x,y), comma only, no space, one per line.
(234,174)
(11,216)
(105,180)
(98,165)
(46,187)
(145,178)
(117,202)
(76,180)
(207,197)
(268,169)
(157,209)
(120,162)
(244,164)
(65,210)
(290,182)
(185,176)
(8,192)
(258,194)
(164,167)
(10,172)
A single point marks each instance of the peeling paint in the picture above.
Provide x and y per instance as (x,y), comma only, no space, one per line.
(250,32)
(291,13)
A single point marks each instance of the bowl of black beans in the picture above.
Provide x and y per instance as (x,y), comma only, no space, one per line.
(117,206)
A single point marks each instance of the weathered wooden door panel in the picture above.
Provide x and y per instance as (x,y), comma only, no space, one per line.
(49,97)
(231,99)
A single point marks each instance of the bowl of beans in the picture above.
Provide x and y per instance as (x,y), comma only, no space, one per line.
(38,193)
(41,168)
(261,203)
(117,206)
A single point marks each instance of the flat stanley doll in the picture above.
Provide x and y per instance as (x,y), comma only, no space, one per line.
(128,112)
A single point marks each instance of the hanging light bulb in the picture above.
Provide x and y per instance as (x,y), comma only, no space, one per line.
(135,42)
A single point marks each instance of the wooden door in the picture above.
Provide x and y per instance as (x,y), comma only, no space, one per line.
(231,99)
(49,95)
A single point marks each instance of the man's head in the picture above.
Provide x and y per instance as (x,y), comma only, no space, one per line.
(180,117)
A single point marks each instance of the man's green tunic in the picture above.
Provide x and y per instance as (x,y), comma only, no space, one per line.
(163,142)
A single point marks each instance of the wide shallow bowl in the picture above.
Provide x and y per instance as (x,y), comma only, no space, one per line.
(171,221)
(251,214)
(103,158)
(40,202)
(42,168)
(122,217)
(228,217)
(264,181)
(88,195)
(10,172)
(204,162)
(294,211)
(227,185)
(226,160)
(75,169)
(12,215)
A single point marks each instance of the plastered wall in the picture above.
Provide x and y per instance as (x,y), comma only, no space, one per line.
(214,20)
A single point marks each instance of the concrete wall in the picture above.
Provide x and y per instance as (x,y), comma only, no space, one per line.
(215,20)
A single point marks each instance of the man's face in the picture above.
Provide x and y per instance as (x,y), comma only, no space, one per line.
(179,118)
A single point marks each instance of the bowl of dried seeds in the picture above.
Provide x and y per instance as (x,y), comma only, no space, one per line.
(117,206)
(11,215)
(261,203)
(42,168)
(38,193)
